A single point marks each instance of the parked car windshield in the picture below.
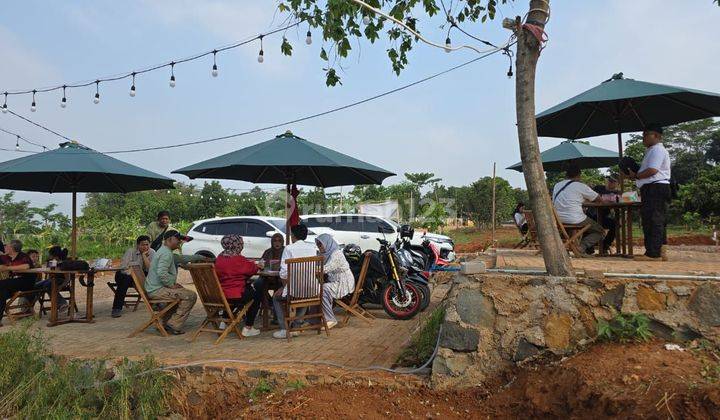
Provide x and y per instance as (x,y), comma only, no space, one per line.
(279,224)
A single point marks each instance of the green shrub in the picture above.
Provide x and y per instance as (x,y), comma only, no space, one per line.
(423,341)
(34,384)
(625,327)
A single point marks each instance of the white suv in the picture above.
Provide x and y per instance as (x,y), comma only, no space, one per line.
(363,230)
(255,230)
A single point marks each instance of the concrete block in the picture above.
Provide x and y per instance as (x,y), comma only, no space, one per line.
(474,267)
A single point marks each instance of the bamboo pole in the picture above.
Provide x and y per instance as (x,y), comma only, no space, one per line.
(493,206)
(73,243)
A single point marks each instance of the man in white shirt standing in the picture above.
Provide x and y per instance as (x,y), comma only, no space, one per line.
(299,248)
(653,179)
(568,198)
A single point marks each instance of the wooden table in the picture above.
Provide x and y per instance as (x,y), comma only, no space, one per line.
(86,279)
(266,305)
(623,226)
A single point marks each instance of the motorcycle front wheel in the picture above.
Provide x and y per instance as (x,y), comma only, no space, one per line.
(398,306)
(424,295)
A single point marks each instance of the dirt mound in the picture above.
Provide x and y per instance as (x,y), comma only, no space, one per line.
(608,380)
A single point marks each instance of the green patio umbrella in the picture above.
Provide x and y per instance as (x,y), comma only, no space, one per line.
(585,155)
(74,168)
(288,159)
(620,105)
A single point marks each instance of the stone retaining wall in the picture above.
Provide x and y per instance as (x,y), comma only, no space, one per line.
(493,320)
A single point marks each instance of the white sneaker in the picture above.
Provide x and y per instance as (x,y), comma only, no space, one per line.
(331,324)
(250,331)
(283,334)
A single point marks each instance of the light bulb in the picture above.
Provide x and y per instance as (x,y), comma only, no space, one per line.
(33,108)
(308,38)
(172,81)
(96,99)
(17,145)
(4,109)
(214,71)
(448,45)
(366,20)
(261,57)
(63,102)
(132,91)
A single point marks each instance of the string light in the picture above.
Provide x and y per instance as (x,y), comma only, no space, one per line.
(172,74)
(4,107)
(366,20)
(33,108)
(448,45)
(214,71)
(63,101)
(17,143)
(96,99)
(132,87)
(308,37)
(261,57)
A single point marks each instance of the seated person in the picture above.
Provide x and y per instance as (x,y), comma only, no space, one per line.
(138,256)
(14,259)
(603,215)
(519,218)
(234,272)
(161,281)
(297,249)
(34,256)
(568,197)
(271,261)
(58,254)
(340,281)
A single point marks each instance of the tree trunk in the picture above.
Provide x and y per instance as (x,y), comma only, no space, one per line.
(557,260)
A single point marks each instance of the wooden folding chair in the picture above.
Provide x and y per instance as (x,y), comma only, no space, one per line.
(571,235)
(530,237)
(131,299)
(216,305)
(352,306)
(16,309)
(304,290)
(156,315)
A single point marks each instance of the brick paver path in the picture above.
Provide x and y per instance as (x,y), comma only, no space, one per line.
(356,345)
(679,262)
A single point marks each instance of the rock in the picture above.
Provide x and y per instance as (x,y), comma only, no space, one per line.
(194,398)
(474,267)
(661,330)
(613,298)
(682,290)
(588,320)
(460,279)
(650,300)
(475,308)
(458,338)
(257,373)
(686,333)
(705,303)
(534,336)
(537,281)
(662,288)
(591,281)
(557,331)
(525,350)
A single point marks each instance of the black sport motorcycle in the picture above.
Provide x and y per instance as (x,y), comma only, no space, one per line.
(386,281)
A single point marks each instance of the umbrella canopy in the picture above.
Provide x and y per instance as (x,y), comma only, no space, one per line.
(620,105)
(288,159)
(585,155)
(76,168)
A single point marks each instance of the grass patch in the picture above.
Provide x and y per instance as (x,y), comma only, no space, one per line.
(34,384)
(263,387)
(625,327)
(423,341)
(296,385)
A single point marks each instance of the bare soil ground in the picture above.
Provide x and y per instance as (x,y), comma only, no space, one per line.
(608,380)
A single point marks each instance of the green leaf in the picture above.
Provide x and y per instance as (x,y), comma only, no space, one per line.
(331,78)
(285,47)
(323,54)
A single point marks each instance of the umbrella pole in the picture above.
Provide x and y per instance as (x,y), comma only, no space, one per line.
(621,179)
(287,214)
(73,240)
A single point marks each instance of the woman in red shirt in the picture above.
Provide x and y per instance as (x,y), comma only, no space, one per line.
(234,272)
(14,259)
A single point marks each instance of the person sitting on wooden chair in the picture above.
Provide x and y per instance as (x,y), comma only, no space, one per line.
(138,256)
(519,218)
(568,197)
(297,249)
(161,281)
(340,281)
(234,272)
(58,254)
(14,259)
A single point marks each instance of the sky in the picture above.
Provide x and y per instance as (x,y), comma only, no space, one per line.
(455,126)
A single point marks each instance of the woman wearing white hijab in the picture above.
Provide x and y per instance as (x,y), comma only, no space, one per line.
(340,281)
